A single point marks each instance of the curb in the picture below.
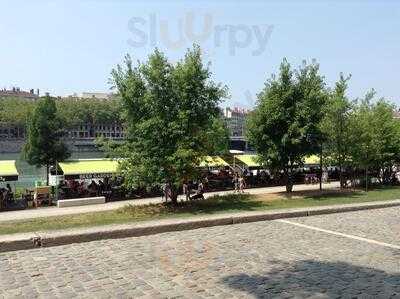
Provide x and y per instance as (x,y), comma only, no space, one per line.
(63,237)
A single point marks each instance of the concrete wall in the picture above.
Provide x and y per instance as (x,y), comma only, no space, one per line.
(11,146)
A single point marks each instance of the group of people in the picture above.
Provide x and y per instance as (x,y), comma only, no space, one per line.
(197,193)
(314,176)
(82,188)
(239,183)
(195,190)
(188,189)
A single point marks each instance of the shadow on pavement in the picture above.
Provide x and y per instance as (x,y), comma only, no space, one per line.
(321,279)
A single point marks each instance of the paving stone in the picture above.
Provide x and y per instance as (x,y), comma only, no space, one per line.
(260,260)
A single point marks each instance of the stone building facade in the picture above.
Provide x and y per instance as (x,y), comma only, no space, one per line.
(112,131)
(16,92)
(235,120)
(82,138)
(79,139)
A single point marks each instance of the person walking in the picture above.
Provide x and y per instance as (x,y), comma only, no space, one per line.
(162,191)
(242,184)
(325,175)
(200,190)
(186,190)
(165,191)
(235,183)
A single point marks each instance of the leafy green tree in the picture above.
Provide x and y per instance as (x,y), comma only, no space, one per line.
(218,137)
(73,112)
(336,126)
(44,145)
(375,137)
(76,112)
(15,111)
(288,113)
(170,111)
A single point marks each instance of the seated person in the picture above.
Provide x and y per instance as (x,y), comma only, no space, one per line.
(81,188)
(93,188)
(1,200)
(107,186)
(74,185)
(101,186)
(199,192)
(8,194)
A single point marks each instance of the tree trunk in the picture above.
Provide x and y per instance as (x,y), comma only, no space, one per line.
(289,182)
(289,187)
(47,174)
(340,173)
(174,196)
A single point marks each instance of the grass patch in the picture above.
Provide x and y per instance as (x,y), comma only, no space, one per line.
(214,205)
(329,197)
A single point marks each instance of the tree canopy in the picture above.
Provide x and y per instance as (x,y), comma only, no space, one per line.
(285,124)
(375,136)
(73,111)
(44,146)
(15,111)
(297,115)
(336,126)
(172,118)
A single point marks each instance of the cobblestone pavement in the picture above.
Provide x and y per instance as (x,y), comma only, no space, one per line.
(256,260)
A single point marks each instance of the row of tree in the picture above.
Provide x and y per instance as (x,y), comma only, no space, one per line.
(73,111)
(170,111)
(298,115)
(172,120)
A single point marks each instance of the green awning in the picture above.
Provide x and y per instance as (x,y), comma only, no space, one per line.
(214,161)
(8,171)
(88,168)
(249,160)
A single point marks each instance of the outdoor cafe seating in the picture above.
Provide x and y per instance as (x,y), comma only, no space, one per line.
(8,174)
(215,170)
(88,178)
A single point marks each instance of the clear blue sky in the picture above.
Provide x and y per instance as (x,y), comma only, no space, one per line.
(71,46)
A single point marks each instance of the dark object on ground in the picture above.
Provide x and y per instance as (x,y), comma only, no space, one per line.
(197,196)
(15,205)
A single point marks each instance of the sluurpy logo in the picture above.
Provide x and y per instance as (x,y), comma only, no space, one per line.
(176,34)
